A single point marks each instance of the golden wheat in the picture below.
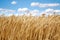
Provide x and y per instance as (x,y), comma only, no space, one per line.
(30,27)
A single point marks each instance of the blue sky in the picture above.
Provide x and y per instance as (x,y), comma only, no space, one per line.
(30,4)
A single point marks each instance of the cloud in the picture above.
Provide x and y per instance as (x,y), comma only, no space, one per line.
(34,12)
(35,4)
(44,5)
(6,11)
(27,11)
(13,2)
(57,11)
(12,14)
(50,11)
(23,9)
(1,9)
(20,11)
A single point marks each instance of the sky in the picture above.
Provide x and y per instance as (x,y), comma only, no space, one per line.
(35,7)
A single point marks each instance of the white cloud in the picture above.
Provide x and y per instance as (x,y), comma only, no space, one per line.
(50,11)
(13,2)
(35,4)
(23,9)
(6,11)
(34,12)
(11,10)
(57,11)
(44,5)
(49,5)
(1,9)
(11,14)
(27,12)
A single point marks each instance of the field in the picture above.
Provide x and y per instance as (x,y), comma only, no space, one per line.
(30,27)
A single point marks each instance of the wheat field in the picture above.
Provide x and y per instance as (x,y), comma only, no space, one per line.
(30,27)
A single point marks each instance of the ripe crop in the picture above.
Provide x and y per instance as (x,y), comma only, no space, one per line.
(30,27)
